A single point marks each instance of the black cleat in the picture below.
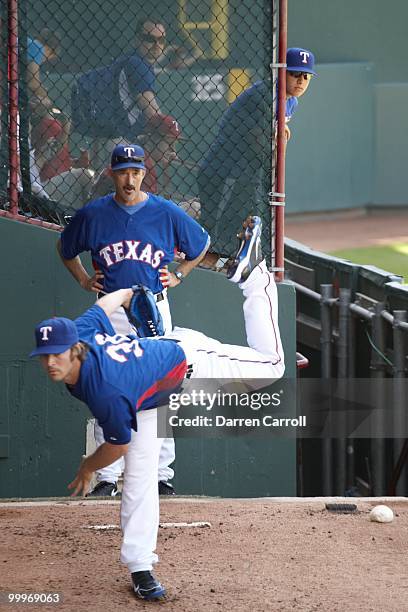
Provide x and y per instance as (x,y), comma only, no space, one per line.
(165,488)
(147,587)
(104,489)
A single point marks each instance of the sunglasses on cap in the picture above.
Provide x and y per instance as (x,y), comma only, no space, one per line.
(296,75)
(122,159)
(158,40)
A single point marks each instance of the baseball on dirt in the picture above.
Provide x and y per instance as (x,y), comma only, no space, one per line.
(381,514)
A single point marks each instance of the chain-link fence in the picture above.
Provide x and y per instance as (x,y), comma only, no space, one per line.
(189,80)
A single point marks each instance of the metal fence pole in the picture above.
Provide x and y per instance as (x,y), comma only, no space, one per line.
(378,373)
(399,399)
(342,373)
(272,7)
(3,98)
(352,330)
(326,371)
(23,99)
(13,103)
(280,178)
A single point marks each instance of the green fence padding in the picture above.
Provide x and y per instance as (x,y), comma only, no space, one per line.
(372,281)
(327,269)
(303,262)
(311,269)
(396,296)
(46,430)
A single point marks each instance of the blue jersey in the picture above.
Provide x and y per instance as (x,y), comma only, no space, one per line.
(104,100)
(291,105)
(242,133)
(130,249)
(122,375)
(35,51)
(132,76)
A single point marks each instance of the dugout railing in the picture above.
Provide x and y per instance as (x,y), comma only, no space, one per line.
(352,324)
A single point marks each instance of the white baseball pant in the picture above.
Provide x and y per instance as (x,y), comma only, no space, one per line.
(262,359)
(113,472)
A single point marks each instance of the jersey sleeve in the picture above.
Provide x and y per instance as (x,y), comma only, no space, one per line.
(74,236)
(291,106)
(114,415)
(190,237)
(140,75)
(93,320)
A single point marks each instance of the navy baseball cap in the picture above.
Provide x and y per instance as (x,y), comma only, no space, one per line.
(54,336)
(300,60)
(127,156)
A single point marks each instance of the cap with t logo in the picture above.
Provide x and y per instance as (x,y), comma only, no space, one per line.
(127,156)
(54,336)
(300,60)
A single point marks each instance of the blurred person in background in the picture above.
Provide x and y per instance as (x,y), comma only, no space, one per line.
(54,173)
(42,49)
(115,102)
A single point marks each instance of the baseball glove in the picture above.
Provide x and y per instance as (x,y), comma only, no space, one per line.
(144,314)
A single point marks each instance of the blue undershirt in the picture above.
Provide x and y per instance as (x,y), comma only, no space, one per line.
(134,208)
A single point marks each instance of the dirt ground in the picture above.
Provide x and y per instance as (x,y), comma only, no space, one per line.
(258,555)
(348,229)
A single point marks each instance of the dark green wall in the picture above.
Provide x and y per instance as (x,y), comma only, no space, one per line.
(391,150)
(363,31)
(331,156)
(42,429)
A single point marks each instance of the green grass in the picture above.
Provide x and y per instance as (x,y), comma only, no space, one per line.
(389,257)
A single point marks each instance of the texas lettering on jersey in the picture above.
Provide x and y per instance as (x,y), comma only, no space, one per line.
(131,249)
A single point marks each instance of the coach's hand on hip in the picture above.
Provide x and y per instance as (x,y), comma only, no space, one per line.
(93,283)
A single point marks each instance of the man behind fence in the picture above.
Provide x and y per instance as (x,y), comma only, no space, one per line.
(115,101)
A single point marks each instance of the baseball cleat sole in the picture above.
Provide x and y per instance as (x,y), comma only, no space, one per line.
(249,254)
(157,594)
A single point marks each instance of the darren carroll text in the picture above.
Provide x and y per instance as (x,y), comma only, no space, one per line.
(222,421)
